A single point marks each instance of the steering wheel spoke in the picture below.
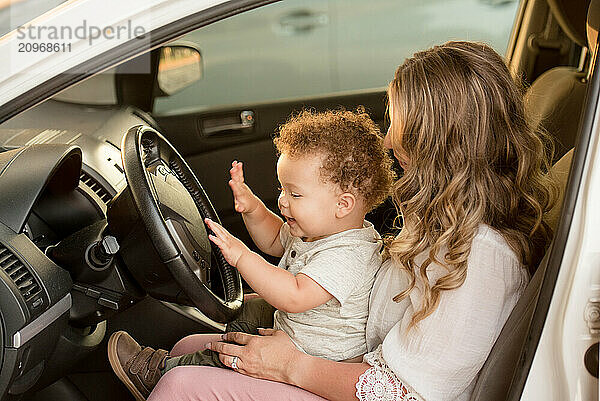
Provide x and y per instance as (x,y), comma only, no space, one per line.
(197,260)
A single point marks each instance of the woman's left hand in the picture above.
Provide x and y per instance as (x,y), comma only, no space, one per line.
(270,355)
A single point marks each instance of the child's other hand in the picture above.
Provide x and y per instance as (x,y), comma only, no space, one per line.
(244,200)
(231,247)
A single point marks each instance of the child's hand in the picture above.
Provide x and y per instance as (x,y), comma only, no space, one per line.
(231,247)
(244,200)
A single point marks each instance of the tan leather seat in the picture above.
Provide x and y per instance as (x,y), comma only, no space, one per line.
(555,101)
(555,98)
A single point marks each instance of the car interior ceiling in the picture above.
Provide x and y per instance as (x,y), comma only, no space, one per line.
(555,98)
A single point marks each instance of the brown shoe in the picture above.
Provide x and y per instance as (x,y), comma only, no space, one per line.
(136,366)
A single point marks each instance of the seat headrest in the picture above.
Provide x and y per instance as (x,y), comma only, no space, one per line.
(571,16)
(593,22)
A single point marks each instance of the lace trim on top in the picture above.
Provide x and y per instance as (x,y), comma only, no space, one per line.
(380,383)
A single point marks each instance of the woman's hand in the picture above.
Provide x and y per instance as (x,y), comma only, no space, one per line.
(271,355)
(244,200)
(231,247)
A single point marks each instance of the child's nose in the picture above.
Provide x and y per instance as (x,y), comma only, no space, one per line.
(283,203)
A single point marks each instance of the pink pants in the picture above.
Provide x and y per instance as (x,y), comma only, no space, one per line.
(202,383)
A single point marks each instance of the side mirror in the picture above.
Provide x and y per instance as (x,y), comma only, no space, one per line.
(179,66)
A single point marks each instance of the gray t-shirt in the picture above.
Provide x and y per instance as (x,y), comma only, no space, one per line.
(344,264)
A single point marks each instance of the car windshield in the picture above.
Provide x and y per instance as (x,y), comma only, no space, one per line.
(14,13)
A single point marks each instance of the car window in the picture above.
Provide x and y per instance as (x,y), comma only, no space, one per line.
(295,49)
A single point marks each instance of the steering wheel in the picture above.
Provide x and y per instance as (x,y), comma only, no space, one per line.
(171,205)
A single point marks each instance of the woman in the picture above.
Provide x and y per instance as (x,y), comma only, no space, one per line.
(472,199)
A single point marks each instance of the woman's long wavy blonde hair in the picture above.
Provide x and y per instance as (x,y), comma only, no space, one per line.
(458,116)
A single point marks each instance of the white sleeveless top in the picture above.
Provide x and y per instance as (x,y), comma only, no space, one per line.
(439,359)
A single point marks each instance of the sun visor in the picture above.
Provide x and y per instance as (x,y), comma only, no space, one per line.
(25,173)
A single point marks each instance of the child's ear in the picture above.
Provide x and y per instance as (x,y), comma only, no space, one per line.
(346,204)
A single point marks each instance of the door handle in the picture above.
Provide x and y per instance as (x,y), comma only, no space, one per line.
(302,21)
(245,121)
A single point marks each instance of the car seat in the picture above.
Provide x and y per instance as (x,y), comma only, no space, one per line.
(498,373)
(555,98)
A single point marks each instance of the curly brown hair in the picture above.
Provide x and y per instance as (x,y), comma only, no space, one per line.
(351,144)
(475,158)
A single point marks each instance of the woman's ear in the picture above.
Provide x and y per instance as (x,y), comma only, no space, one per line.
(346,204)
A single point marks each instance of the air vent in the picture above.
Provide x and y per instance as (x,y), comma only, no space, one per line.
(96,187)
(19,274)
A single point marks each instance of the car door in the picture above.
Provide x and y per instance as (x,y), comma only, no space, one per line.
(263,65)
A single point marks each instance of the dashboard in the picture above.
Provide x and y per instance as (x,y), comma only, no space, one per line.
(57,176)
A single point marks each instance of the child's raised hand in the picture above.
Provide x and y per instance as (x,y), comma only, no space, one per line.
(231,247)
(244,200)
